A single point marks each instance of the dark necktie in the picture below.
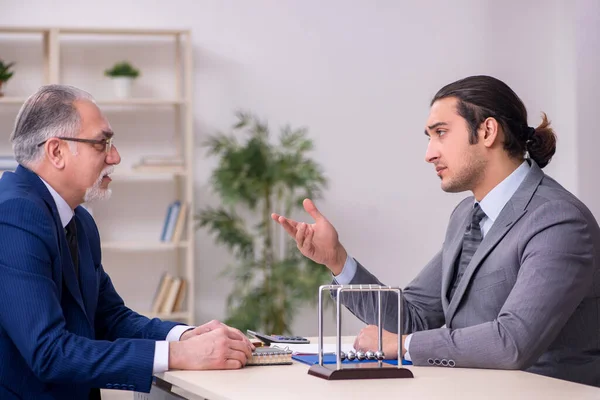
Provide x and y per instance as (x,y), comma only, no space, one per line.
(471,240)
(71,230)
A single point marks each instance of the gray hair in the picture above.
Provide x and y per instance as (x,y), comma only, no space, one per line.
(47,113)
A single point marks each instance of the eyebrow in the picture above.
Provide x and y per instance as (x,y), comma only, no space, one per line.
(106,134)
(436,125)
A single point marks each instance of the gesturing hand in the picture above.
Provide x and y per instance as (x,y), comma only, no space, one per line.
(318,241)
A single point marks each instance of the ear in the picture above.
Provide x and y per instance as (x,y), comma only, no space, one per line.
(55,153)
(488,132)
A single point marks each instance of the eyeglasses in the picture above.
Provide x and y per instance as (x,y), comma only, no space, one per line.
(99,144)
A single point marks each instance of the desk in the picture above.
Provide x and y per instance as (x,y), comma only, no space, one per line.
(292,382)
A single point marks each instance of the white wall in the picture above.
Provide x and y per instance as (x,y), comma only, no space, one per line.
(360,75)
(587,50)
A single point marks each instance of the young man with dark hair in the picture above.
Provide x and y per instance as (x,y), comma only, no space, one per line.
(516,284)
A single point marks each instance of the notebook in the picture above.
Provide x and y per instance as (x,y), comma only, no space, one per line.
(270,356)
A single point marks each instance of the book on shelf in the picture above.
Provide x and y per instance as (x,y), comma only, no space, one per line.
(175,222)
(161,292)
(169,294)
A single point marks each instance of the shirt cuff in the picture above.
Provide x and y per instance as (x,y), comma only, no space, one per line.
(161,348)
(348,272)
(176,332)
(161,357)
(406,346)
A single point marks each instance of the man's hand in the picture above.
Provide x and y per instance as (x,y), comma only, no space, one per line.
(368,337)
(318,241)
(211,326)
(220,348)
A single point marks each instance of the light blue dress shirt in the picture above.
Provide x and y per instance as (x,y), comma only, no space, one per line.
(161,348)
(492,204)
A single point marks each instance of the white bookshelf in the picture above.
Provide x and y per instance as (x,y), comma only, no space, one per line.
(13,100)
(143,246)
(178,105)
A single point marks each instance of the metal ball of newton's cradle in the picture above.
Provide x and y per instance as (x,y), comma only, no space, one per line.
(360,355)
(370,355)
(351,355)
(342,355)
(379,355)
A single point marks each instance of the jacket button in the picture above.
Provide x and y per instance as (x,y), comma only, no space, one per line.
(451,363)
(131,387)
(430,361)
(444,362)
(437,361)
(109,386)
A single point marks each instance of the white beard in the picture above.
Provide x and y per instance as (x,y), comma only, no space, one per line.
(95,192)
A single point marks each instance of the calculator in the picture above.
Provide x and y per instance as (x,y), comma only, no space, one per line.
(268,339)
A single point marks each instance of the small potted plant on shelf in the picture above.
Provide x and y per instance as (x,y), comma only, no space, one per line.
(5,74)
(122,74)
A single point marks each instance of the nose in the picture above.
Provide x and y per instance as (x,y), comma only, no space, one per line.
(113,157)
(432,153)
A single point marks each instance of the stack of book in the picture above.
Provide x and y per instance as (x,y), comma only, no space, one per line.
(169,295)
(174,222)
(8,163)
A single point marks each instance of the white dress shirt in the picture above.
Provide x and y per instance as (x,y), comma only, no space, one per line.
(161,348)
(492,204)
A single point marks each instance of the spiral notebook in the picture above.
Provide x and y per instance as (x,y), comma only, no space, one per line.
(270,356)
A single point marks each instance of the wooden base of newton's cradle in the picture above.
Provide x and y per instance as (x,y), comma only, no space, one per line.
(359,371)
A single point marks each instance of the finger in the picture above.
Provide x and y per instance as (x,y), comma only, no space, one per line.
(237,334)
(300,235)
(233,364)
(309,239)
(311,209)
(240,346)
(212,325)
(289,225)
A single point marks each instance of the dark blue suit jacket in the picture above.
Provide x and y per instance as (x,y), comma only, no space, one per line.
(59,339)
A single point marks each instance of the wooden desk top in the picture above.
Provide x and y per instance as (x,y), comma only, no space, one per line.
(292,382)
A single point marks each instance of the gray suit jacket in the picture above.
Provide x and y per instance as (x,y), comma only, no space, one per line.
(529,299)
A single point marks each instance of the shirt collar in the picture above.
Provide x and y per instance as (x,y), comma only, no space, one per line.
(64,211)
(497,198)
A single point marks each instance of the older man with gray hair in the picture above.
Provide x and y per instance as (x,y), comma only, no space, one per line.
(64,330)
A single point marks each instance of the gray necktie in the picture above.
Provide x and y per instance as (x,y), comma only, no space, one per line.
(471,241)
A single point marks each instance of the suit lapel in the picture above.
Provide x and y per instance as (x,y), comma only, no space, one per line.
(510,214)
(68,269)
(449,260)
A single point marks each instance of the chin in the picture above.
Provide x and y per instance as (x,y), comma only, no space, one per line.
(97,194)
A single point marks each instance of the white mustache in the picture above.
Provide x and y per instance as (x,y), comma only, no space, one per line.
(105,172)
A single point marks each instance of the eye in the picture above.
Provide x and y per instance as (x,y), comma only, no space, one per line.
(441,132)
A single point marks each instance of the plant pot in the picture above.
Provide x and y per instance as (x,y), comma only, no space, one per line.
(122,86)
(1,91)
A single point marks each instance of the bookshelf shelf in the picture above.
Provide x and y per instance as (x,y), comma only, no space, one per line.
(13,100)
(175,180)
(168,316)
(164,175)
(139,102)
(143,246)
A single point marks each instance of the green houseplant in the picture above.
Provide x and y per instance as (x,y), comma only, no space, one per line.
(254,178)
(5,74)
(122,75)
